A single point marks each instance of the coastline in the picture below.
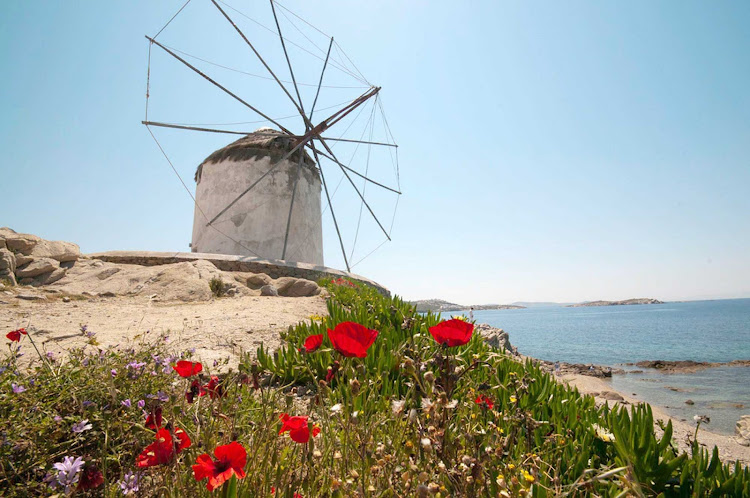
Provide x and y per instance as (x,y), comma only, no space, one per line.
(729,448)
(601,388)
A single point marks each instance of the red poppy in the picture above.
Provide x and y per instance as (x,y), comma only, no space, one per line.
(452,332)
(15,335)
(312,343)
(214,387)
(485,402)
(230,460)
(187,368)
(163,449)
(154,421)
(196,389)
(91,477)
(352,339)
(298,428)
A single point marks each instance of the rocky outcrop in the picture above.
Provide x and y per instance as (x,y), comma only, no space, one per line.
(27,259)
(494,337)
(742,430)
(687,366)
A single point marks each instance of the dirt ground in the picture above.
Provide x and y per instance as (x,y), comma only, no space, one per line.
(217,329)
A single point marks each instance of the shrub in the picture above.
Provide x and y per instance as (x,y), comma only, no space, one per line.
(217,286)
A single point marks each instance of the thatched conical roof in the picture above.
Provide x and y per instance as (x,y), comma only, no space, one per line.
(263,142)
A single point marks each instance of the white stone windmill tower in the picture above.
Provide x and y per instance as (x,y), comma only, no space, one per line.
(290,195)
(261,195)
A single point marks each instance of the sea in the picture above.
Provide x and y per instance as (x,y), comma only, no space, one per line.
(713,331)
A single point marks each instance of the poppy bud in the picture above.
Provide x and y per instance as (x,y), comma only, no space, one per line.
(354,384)
(429,377)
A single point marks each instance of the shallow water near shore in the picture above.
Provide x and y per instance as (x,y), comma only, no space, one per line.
(713,331)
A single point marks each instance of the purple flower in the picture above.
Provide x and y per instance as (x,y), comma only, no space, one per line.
(50,356)
(141,403)
(129,483)
(135,365)
(87,403)
(57,418)
(67,472)
(113,372)
(17,389)
(81,426)
(161,396)
(126,403)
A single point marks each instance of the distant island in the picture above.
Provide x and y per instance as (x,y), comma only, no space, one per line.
(438,305)
(640,300)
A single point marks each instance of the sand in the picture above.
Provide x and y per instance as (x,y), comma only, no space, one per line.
(217,329)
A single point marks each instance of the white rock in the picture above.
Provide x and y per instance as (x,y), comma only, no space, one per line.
(37,267)
(7,260)
(742,430)
(56,249)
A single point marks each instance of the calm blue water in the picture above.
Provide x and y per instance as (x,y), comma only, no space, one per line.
(700,330)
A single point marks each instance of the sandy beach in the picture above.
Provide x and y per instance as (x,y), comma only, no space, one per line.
(729,449)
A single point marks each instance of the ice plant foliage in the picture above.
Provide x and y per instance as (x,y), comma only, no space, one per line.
(312,343)
(188,368)
(15,335)
(297,427)
(352,339)
(163,449)
(452,332)
(230,461)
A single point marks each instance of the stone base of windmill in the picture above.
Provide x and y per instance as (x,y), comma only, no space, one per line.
(37,268)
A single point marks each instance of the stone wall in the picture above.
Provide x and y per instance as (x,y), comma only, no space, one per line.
(272,268)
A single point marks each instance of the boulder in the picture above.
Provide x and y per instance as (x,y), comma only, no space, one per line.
(50,278)
(269,290)
(742,430)
(22,259)
(7,260)
(57,250)
(7,277)
(37,267)
(18,242)
(296,287)
(300,287)
(611,395)
(258,280)
(494,337)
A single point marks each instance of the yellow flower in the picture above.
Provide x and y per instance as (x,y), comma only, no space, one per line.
(527,476)
(511,466)
(513,399)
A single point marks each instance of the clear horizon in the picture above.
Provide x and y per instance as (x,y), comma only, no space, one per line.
(565,153)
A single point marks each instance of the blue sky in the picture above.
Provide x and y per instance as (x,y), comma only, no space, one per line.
(548,151)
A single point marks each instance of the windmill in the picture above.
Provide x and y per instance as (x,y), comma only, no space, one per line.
(261,195)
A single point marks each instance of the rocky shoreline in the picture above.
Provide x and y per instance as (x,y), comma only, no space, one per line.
(594,380)
(685,366)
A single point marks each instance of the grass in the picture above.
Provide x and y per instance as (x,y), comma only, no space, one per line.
(403,421)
